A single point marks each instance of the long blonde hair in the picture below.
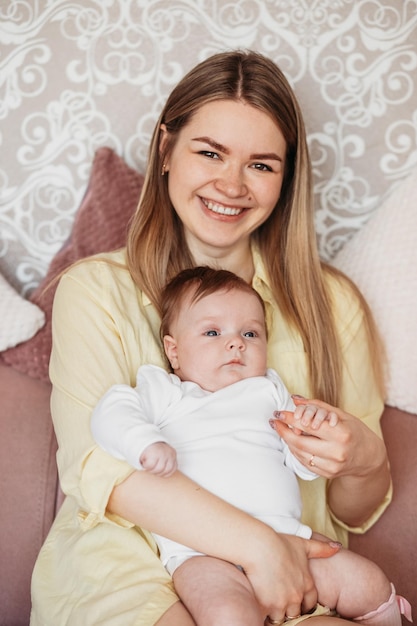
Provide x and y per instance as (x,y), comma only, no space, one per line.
(156,247)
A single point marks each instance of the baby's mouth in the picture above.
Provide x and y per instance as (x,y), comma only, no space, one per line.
(221,209)
(234,362)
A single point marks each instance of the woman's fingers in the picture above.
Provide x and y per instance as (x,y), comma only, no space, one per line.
(299,400)
(326,450)
(280,575)
(306,598)
(317,549)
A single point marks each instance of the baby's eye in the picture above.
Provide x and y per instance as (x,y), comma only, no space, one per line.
(212,333)
(250,333)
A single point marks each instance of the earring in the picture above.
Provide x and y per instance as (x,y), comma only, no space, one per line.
(163,169)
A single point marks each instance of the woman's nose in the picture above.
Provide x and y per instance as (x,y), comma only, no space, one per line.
(231,182)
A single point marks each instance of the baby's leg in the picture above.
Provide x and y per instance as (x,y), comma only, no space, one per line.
(356,588)
(217,593)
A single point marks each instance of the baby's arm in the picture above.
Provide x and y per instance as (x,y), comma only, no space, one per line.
(125,421)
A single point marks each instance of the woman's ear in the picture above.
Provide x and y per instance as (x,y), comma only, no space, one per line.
(163,146)
(170,347)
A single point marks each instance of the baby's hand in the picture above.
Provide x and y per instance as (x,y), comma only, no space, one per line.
(159,458)
(313,416)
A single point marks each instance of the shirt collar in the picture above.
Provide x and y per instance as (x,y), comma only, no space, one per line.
(260,280)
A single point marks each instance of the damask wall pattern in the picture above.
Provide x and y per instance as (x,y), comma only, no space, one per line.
(79,74)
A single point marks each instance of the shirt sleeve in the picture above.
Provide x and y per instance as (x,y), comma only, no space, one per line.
(96,344)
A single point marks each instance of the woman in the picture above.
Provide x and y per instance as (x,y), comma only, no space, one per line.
(228,185)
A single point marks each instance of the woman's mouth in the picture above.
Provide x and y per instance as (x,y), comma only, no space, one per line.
(221,209)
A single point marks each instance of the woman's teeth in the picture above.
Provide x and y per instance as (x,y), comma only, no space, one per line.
(220,208)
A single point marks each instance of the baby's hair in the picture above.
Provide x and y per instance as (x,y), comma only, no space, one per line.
(196,283)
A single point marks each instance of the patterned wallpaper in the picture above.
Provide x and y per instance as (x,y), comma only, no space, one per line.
(79,74)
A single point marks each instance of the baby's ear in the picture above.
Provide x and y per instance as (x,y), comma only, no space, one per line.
(170,347)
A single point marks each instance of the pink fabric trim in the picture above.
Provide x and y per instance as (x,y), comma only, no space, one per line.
(403,605)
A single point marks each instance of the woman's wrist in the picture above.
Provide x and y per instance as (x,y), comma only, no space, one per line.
(353,498)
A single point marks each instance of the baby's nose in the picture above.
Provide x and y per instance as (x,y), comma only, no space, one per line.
(236,342)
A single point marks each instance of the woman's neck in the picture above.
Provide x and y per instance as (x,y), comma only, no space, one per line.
(238,261)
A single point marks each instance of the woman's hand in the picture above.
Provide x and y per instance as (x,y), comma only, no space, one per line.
(348,453)
(280,575)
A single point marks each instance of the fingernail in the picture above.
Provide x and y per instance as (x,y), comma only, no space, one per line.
(335,544)
(272,425)
(278,415)
(296,395)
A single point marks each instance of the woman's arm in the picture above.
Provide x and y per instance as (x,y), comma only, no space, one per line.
(363,480)
(277,565)
(357,464)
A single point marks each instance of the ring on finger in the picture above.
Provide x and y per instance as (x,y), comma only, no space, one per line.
(311,464)
(274,622)
(288,617)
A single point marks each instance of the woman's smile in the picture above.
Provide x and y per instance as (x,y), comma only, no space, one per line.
(221,209)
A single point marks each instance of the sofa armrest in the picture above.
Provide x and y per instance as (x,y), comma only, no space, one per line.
(28,487)
(392,542)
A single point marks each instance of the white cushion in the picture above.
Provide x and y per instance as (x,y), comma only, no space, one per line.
(19,318)
(382,260)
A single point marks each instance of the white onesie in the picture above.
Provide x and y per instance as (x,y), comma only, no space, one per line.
(223,441)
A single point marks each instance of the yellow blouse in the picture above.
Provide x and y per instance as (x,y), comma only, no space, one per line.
(93,565)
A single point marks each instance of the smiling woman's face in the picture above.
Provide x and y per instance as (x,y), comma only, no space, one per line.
(225,176)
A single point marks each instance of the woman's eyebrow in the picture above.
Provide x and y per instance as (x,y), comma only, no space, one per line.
(214,144)
(266,156)
(269,156)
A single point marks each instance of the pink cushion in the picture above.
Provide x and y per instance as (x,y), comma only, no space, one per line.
(100,226)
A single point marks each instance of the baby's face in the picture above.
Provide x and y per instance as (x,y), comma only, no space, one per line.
(219,340)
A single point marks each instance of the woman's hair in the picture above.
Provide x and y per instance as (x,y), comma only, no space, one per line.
(196,283)
(156,247)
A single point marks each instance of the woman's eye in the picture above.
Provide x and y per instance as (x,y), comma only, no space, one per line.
(211,333)
(209,154)
(262,167)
